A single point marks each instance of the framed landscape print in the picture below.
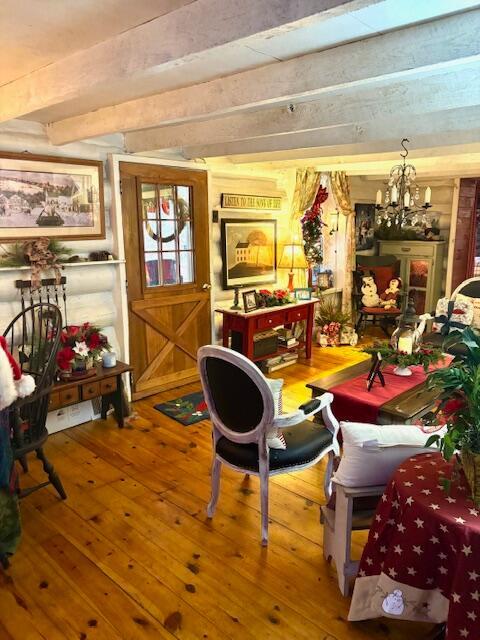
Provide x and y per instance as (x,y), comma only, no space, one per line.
(50,196)
(249,252)
(364,226)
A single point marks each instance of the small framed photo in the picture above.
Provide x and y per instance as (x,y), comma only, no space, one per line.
(303,294)
(249,300)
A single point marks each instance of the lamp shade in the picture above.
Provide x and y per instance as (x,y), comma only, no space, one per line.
(293,257)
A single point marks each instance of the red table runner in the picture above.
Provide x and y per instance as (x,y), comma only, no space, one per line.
(352,401)
(422,558)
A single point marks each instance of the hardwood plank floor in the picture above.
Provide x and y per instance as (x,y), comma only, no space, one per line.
(131,553)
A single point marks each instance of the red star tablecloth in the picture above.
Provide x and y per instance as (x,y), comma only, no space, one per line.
(422,558)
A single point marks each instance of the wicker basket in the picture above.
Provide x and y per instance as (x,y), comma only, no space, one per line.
(471,467)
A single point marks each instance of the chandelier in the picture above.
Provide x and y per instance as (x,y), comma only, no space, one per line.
(401,208)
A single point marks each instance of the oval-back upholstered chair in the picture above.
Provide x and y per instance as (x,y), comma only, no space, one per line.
(241,407)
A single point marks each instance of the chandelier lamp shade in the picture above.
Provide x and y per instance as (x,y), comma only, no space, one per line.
(293,257)
(399,207)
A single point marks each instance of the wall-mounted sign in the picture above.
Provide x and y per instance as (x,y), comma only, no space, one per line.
(241,201)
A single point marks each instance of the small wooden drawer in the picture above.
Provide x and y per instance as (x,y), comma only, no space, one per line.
(108,386)
(294,315)
(54,401)
(90,390)
(270,320)
(69,396)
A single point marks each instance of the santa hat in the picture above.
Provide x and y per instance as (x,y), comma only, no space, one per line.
(13,383)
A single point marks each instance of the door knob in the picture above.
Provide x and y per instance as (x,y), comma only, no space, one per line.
(206,286)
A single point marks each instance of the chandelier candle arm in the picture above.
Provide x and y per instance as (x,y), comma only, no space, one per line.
(401,208)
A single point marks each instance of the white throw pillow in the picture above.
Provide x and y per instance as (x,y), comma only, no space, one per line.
(371,453)
(475,302)
(275,438)
(461,314)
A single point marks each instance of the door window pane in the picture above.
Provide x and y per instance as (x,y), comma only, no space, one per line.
(152,272)
(186,267)
(185,236)
(150,235)
(167,234)
(170,267)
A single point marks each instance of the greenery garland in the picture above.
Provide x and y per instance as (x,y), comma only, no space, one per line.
(426,356)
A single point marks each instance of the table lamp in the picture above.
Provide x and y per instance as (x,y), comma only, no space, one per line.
(293,257)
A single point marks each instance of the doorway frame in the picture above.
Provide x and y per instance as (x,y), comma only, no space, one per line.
(116,223)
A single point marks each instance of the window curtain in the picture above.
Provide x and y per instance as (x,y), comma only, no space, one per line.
(341,193)
(306,186)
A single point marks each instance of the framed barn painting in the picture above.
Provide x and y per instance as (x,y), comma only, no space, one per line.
(249,252)
(364,226)
(50,196)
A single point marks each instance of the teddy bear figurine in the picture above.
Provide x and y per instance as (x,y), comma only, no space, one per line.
(388,299)
(370,297)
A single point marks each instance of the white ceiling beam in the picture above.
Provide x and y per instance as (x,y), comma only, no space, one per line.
(457,126)
(162,43)
(453,89)
(403,53)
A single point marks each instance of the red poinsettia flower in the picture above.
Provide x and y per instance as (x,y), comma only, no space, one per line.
(452,406)
(73,330)
(65,357)
(94,340)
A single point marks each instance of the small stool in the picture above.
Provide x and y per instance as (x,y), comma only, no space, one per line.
(353,511)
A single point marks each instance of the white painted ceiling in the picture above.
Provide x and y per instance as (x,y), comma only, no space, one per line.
(36,37)
(35,33)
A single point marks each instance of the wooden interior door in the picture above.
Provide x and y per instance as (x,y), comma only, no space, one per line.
(165,228)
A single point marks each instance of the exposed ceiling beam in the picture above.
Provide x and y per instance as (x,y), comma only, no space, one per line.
(457,126)
(343,108)
(162,43)
(384,58)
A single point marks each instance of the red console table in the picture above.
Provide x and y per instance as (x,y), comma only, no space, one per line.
(248,324)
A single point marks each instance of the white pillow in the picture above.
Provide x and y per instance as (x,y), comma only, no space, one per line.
(476,308)
(371,453)
(275,438)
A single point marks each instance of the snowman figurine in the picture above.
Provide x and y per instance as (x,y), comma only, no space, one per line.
(393,603)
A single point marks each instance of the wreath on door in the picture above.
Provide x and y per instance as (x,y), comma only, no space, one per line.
(183,218)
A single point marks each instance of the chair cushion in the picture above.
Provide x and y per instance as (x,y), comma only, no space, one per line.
(380,311)
(305,442)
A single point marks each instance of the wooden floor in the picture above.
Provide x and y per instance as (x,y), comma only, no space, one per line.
(131,553)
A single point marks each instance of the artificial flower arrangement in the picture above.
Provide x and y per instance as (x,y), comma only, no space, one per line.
(82,346)
(426,356)
(275,298)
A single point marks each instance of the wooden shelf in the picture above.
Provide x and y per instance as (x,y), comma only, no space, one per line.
(280,351)
(88,263)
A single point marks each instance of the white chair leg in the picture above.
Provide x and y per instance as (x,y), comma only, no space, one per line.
(264,503)
(216,469)
(327,482)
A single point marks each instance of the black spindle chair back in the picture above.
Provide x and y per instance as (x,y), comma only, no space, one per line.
(33,338)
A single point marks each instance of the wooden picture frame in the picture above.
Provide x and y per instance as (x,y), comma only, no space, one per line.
(249,252)
(250,300)
(50,196)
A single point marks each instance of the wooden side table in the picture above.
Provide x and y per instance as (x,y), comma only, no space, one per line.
(106,383)
(247,324)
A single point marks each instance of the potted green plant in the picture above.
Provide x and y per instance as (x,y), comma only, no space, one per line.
(460,385)
(331,321)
